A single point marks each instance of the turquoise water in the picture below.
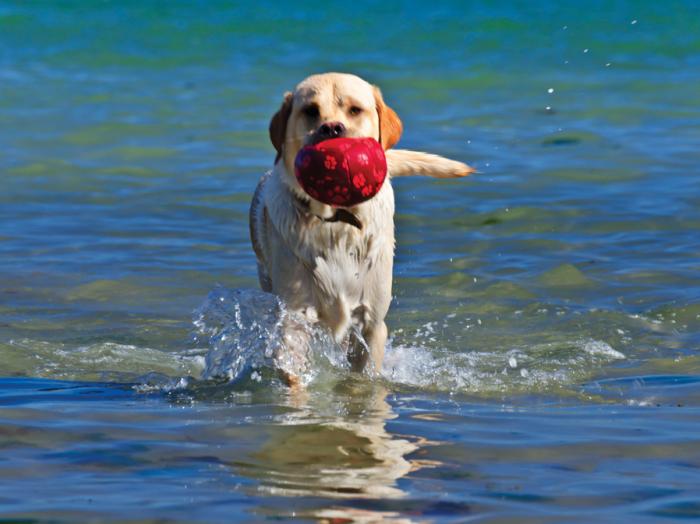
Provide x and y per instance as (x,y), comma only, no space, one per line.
(543,363)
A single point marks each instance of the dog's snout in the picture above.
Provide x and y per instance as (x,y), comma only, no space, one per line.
(332,130)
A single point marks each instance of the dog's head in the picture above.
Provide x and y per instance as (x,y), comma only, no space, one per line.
(328,106)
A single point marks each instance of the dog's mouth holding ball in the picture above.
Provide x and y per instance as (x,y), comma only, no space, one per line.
(341,172)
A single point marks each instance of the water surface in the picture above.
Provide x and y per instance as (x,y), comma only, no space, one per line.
(543,362)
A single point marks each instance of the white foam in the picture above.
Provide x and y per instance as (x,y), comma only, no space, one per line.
(244,334)
(94,361)
(516,370)
(599,348)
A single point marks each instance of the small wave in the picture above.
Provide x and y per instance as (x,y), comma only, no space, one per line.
(99,361)
(242,339)
(244,330)
(535,368)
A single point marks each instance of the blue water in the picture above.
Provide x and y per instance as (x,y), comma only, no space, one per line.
(543,362)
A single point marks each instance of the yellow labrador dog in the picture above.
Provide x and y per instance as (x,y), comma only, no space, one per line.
(333,265)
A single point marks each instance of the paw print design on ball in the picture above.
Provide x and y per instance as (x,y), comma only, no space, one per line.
(341,172)
(330,162)
(359,181)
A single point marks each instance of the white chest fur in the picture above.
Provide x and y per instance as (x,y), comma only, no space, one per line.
(341,271)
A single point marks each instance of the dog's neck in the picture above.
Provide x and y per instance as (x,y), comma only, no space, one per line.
(340,215)
(306,207)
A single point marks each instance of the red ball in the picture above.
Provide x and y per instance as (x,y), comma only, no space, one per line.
(341,172)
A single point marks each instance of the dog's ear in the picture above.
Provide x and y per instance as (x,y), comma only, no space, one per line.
(278,124)
(390,126)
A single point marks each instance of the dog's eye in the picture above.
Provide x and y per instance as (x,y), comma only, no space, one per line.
(311,111)
(354,110)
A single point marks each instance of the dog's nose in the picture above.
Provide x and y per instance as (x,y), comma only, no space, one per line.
(331,130)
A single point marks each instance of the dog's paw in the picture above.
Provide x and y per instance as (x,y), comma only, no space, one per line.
(290,380)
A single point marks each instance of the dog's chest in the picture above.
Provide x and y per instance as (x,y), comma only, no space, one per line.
(347,253)
(334,266)
(343,275)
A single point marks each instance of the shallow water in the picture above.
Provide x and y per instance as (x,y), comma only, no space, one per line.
(543,362)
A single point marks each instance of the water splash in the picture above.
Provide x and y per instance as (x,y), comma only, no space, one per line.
(245,337)
(248,333)
(533,369)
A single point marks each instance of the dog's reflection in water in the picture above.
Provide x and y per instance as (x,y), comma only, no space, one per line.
(335,445)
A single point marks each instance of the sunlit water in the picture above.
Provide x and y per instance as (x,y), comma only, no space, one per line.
(543,359)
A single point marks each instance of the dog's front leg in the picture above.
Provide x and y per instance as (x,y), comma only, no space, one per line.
(376,337)
(292,354)
(369,349)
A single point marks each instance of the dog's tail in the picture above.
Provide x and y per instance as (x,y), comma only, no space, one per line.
(403,162)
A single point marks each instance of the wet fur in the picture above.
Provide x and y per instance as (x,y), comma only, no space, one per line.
(333,272)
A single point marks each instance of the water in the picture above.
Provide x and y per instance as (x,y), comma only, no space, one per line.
(543,362)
